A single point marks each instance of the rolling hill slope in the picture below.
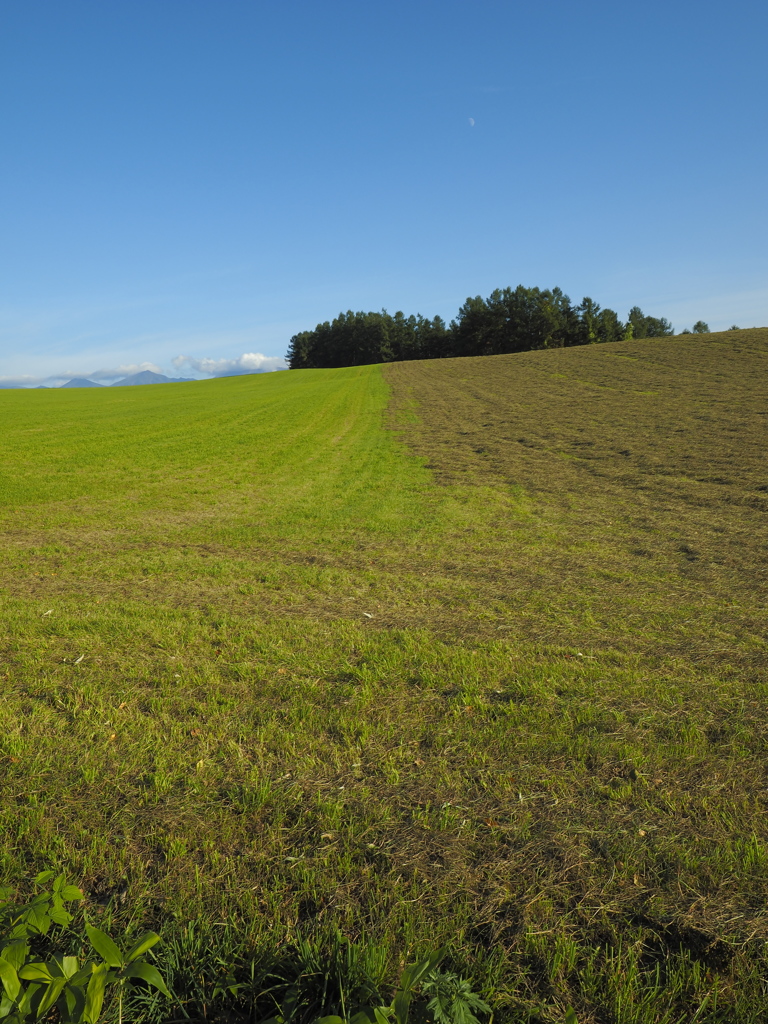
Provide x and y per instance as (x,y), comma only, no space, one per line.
(465,651)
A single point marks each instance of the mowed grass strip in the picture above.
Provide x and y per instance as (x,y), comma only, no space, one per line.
(644,470)
(198,713)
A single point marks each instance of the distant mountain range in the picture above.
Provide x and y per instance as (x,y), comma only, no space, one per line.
(149,377)
(81,382)
(145,377)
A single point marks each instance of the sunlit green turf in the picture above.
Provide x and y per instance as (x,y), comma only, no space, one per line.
(259,672)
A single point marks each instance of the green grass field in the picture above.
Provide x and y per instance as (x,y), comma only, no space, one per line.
(467,652)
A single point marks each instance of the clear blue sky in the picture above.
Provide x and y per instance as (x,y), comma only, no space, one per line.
(204,178)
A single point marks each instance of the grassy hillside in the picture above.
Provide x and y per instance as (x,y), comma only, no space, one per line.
(644,467)
(465,651)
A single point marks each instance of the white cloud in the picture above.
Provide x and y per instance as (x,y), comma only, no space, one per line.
(25,381)
(248,362)
(126,370)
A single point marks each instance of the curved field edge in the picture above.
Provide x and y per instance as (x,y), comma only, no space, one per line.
(272,691)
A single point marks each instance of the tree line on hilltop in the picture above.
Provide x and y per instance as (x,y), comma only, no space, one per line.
(509,320)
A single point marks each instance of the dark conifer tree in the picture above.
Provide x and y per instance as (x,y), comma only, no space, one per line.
(648,326)
(509,320)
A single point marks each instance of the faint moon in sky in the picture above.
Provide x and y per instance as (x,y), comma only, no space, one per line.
(471,122)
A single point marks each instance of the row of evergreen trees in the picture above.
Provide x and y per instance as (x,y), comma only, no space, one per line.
(509,320)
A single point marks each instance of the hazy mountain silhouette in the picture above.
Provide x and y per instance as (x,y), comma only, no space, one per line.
(81,382)
(149,377)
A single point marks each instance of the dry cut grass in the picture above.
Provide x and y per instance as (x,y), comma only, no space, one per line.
(643,465)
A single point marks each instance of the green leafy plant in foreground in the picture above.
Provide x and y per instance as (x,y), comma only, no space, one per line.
(451,999)
(75,990)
